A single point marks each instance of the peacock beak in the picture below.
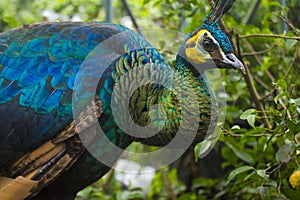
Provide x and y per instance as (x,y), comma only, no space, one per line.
(231,61)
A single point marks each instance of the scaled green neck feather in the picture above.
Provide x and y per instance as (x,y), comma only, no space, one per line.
(184,82)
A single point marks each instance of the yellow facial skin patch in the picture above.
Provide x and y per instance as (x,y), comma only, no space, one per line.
(196,53)
(192,51)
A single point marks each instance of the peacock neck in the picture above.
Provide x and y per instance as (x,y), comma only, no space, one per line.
(189,95)
(159,102)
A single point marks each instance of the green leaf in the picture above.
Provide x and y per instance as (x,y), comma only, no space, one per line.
(290,43)
(187,196)
(130,195)
(262,173)
(204,147)
(11,21)
(279,96)
(290,193)
(201,149)
(290,135)
(249,175)
(251,120)
(268,62)
(85,192)
(295,101)
(238,171)
(281,84)
(236,127)
(250,116)
(264,192)
(265,147)
(293,127)
(241,154)
(245,114)
(282,154)
(146,2)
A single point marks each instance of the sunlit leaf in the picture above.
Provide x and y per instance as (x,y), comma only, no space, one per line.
(237,127)
(262,173)
(204,147)
(246,113)
(251,120)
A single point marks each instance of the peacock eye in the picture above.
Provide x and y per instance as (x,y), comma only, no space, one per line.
(208,44)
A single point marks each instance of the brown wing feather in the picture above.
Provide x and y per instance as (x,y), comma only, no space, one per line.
(47,162)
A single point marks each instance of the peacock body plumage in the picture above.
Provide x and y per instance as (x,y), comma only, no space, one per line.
(39,65)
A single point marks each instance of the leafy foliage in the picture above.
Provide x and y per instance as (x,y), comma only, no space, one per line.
(259,142)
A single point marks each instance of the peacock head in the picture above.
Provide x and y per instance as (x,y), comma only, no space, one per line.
(209,46)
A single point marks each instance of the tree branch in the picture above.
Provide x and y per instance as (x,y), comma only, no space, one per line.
(248,77)
(254,94)
(135,24)
(293,63)
(260,52)
(290,25)
(259,61)
(270,36)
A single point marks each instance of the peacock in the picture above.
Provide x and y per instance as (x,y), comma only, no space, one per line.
(61,82)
